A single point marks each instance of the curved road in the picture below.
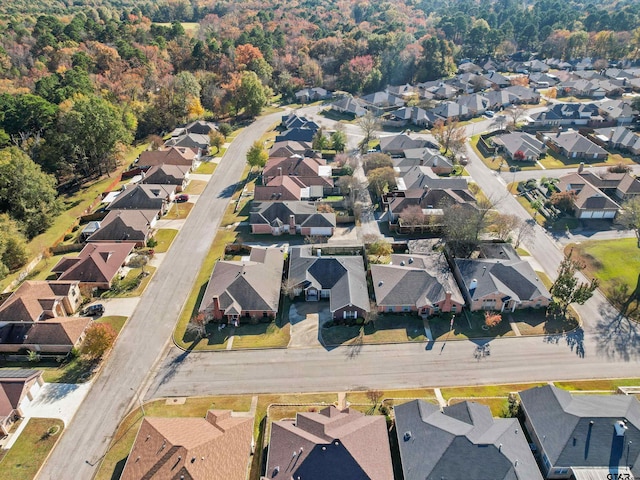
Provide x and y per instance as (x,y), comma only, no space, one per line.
(147,333)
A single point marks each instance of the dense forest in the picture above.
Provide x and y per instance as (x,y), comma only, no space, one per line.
(79,80)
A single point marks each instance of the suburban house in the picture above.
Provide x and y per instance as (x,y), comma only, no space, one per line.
(298,134)
(520,146)
(461,441)
(55,336)
(421,284)
(583,436)
(289,148)
(350,106)
(18,388)
(620,138)
(96,265)
(500,99)
(573,145)
(169,156)
(330,444)
(314,94)
(217,447)
(427,157)
(341,279)
(451,111)
(568,114)
(475,104)
(243,289)
(395,145)
(415,115)
(167,174)
(34,301)
(308,171)
(589,201)
(125,226)
(618,110)
(497,80)
(144,197)
(432,201)
(294,218)
(197,142)
(286,188)
(525,95)
(501,282)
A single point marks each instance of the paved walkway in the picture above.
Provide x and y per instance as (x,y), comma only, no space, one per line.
(441,401)
(514,326)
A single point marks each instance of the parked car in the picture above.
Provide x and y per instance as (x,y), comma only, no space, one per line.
(183,197)
(490,113)
(94,310)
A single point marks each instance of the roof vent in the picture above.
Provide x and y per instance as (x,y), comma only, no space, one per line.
(402,263)
(324,448)
(474,284)
(620,428)
(500,447)
(410,259)
(407,436)
(380,283)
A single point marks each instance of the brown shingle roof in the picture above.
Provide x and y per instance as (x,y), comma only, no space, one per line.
(171,156)
(63,331)
(124,225)
(340,445)
(96,263)
(213,448)
(32,299)
(12,388)
(166,174)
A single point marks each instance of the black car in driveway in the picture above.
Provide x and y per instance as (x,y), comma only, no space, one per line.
(94,310)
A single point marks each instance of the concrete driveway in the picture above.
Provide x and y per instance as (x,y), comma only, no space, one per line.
(305,319)
(119,306)
(58,400)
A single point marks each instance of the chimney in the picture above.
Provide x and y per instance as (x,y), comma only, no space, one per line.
(292,224)
(581,167)
(319,252)
(447,296)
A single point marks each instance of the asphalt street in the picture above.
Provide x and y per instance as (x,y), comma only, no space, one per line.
(147,333)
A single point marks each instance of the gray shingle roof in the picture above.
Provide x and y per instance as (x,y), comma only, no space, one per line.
(344,275)
(462,442)
(514,278)
(579,430)
(304,214)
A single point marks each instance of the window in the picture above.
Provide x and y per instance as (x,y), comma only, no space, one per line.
(406,309)
(560,471)
(389,309)
(454,308)
(436,308)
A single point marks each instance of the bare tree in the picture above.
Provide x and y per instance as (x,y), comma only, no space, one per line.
(197,326)
(515,112)
(503,225)
(413,217)
(369,124)
(450,135)
(630,216)
(349,186)
(375,396)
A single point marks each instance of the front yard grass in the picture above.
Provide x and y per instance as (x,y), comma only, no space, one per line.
(206,168)
(609,260)
(216,251)
(179,211)
(116,321)
(497,405)
(32,447)
(464,329)
(363,396)
(477,391)
(133,284)
(536,322)
(164,238)
(387,328)
(195,187)
(610,384)
(262,335)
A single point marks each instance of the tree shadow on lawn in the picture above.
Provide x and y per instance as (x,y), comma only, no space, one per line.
(229,190)
(617,336)
(540,322)
(464,329)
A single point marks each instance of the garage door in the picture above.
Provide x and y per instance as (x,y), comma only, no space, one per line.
(326,231)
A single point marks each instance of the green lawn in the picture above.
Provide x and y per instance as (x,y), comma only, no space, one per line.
(604,384)
(536,322)
(195,187)
(206,168)
(387,328)
(32,447)
(608,260)
(216,251)
(464,329)
(133,285)
(116,321)
(164,237)
(179,211)
(262,335)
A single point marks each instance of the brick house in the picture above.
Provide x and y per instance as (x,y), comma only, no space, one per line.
(245,289)
(40,300)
